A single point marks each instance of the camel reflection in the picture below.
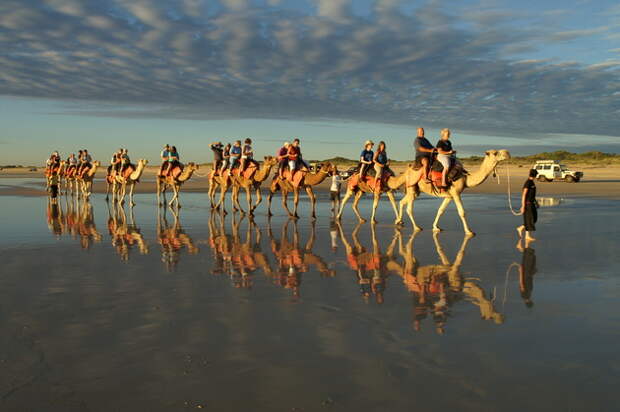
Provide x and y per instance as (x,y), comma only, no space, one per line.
(76,218)
(370,265)
(435,288)
(294,260)
(172,238)
(125,236)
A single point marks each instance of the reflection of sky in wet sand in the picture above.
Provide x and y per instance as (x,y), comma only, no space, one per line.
(231,315)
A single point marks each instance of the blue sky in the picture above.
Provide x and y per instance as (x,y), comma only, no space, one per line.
(524,75)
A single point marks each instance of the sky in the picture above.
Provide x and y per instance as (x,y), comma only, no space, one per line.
(524,75)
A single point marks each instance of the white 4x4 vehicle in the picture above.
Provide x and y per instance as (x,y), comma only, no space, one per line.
(549,170)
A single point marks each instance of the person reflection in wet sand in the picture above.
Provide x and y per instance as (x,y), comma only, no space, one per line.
(437,287)
(55,217)
(78,221)
(527,270)
(125,236)
(292,259)
(172,239)
(370,267)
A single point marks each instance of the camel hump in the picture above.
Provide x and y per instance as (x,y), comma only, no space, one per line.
(250,171)
(295,177)
(128,171)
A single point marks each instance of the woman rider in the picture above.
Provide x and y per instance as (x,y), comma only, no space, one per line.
(445,155)
(225,157)
(380,161)
(366,158)
(173,159)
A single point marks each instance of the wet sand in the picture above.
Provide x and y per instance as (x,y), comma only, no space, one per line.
(119,309)
(598,182)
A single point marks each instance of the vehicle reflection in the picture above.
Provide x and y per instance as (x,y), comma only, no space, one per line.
(437,287)
(74,217)
(125,236)
(172,238)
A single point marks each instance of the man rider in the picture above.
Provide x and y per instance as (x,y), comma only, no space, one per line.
(423,152)
(164,158)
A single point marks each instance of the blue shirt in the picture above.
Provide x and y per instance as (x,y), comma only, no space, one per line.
(382,158)
(367,155)
(422,141)
(235,150)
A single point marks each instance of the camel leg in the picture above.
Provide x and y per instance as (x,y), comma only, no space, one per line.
(269,197)
(236,199)
(390,196)
(107,191)
(122,190)
(344,201)
(259,199)
(356,201)
(295,202)
(312,200)
(175,196)
(131,202)
(410,201)
(459,207)
(159,192)
(375,203)
(440,211)
(285,203)
(222,200)
(248,198)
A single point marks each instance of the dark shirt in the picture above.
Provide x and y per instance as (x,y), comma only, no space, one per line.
(218,152)
(422,141)
(293,152)
(444,145)
(226,152)
(530,197)
(235,151)
(382,158)
(367,155)
(283,151)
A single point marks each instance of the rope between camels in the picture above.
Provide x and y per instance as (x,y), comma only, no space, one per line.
(509,193)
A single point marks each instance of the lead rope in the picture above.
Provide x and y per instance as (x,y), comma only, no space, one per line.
(514,264)
(509,192)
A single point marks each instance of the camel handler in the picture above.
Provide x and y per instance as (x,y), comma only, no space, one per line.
(165,153)
(218,155)
(423,153)
(529,207)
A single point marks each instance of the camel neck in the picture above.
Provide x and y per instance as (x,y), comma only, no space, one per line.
(479,176)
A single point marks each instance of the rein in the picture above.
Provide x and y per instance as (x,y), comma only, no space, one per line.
(495,174)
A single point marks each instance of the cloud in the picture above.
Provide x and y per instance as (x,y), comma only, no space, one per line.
(233,59)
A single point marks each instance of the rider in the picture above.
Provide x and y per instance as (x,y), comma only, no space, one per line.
(247,155)
(173,159)
(366,158)
(72,163)
(218,155)
(53,162)
(225,157)
(125,161)
(380,161)
(235,154)
(165,153)
(86,163)
(295,158)
(282,157)
(423,152)
(445,155)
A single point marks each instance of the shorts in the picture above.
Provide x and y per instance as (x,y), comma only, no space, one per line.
(530,217)
(334,196)
(419,157)
(445,160)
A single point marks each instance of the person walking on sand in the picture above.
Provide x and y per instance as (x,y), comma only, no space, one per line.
(334,189)
(529,207)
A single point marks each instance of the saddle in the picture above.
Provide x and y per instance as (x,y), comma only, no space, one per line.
(294,177)
(175,172)
(128,171)
(369,181)
(455,172)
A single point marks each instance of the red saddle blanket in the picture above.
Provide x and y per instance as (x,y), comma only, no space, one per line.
(295,177)
(128,171)
(175,172)
(248,173)
(369,181)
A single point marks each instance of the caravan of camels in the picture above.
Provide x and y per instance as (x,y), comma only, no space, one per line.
(435,171)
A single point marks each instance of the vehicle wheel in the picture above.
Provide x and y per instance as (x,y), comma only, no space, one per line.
(542,179)
(570,179)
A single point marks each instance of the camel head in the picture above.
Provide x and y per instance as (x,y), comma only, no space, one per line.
(143,162)
(497,155)
(328,167)
(192,166)
(270,161)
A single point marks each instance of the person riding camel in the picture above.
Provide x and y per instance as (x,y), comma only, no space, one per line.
(117,161)
(165,153)
(295,158)
(366,158)
(423,153)
(218,155)
(247,155)
(125,161)
(225,157)
(173,160)
(282,157)
(381,161)
(72,163)
(53,162)
(235,155)
(85,164)
(445,155)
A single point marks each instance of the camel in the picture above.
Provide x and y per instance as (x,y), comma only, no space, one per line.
(238,182)
(131,180)
(443,282)
(453,193)
(85,182)
(307,182)
(164,181)
(392,183)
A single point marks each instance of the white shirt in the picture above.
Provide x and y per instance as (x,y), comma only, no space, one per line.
(336,183)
